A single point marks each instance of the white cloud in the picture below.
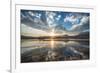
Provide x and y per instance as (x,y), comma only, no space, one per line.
(37,15)
(58,17)
(50,19)
(50,14)
(80,26)
(31,13)
(73,19)
(29,31)
(84,20)
(36,18)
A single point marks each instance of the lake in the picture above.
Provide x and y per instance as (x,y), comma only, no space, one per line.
(53,50)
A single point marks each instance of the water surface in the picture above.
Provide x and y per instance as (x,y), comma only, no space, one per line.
(53,50)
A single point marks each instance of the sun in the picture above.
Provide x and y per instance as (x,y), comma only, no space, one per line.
(52,33)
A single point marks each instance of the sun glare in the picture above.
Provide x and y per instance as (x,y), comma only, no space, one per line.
(52,44)
(52,33)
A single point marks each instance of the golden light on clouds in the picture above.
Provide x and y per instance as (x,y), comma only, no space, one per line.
(52,33)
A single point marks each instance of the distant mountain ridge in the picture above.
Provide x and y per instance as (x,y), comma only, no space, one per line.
(83,35)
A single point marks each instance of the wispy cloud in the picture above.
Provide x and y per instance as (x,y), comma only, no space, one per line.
(29,31)
(83,25)
(74,18)
(63,23)
(50,19)
(34,14)
(58,17)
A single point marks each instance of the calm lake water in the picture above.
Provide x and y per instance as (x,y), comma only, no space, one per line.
(52,50)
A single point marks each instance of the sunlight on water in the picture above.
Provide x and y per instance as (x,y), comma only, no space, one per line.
(51,50)
(52,44)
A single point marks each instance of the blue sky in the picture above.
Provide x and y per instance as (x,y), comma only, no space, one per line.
(64,21)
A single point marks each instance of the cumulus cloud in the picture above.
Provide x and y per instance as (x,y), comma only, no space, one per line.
(31,13)
(33,19)
(38,15)
(83,25)
(73,19)
(58,17)
(50,19)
